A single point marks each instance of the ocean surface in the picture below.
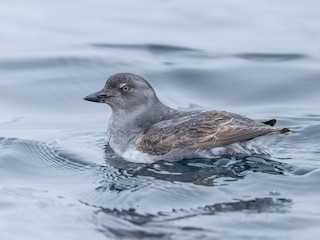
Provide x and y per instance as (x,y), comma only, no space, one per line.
(59,179)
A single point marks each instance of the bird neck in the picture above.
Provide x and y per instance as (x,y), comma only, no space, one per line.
(125,126)
(141,117)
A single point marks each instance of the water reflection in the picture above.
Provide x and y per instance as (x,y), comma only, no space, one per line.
(160,222)
(205,172)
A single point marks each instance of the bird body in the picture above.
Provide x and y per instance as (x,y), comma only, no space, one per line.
(142,129)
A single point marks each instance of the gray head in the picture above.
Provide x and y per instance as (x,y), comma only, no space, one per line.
(125,91)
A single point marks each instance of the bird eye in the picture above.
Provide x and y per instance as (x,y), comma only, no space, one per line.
(125,88)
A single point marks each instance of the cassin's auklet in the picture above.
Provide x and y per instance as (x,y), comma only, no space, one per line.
(142,129)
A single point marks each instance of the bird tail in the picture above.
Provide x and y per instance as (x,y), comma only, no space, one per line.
(272,122)
(285,131)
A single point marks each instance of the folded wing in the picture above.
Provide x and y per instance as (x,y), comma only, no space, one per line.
(200,130)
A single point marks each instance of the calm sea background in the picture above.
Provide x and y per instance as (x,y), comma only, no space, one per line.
(60,180)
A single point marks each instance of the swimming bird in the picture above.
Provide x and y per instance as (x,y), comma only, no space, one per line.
(143,129)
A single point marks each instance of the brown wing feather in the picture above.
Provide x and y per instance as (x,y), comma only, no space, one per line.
(200,130)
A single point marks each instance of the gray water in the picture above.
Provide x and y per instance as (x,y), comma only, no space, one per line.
(60,180)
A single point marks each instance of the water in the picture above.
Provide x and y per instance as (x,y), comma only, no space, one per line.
(60,180)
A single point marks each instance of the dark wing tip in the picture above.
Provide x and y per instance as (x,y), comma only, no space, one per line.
(271,122)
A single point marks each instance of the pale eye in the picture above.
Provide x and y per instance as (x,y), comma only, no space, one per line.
(125,88)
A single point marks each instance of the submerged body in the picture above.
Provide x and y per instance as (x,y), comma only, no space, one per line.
(142,129)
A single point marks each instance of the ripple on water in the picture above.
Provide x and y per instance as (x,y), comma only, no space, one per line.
(138,200)
(126,184)
(272,57)
(48,62)
(153,48)
(25,157)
